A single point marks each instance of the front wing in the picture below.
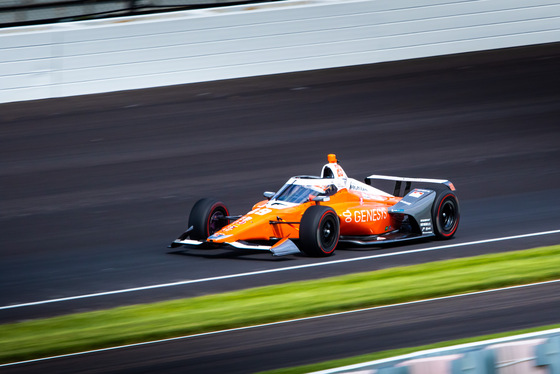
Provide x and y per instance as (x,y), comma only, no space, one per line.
(281,248)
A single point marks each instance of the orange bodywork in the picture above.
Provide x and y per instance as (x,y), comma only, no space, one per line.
(349,211)
(359,212)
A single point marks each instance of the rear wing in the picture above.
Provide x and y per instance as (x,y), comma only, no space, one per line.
(408,183)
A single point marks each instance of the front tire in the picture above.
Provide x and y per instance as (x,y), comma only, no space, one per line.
(445,214)
(319,231)
(207,216)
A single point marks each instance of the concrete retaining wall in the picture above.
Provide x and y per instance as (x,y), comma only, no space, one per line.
(78,58)
(532,353)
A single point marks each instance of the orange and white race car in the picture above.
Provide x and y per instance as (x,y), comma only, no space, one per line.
(315,214)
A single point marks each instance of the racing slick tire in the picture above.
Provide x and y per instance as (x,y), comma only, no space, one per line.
(319,231)
(207,216)
(445,214)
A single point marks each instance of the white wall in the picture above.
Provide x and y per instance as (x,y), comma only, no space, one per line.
(27,10)
(192,46)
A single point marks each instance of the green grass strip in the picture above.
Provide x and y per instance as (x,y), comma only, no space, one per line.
(123,325)
(398,352)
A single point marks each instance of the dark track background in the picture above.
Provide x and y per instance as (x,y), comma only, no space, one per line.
(93,188)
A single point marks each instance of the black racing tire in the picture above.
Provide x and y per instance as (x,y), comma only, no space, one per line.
(207,216)
(445,214)
(319,231)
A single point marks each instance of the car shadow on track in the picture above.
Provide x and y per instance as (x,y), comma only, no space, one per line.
(234,255)
(381,246)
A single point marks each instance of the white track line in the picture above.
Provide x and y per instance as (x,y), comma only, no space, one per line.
(281,322)
(276,270)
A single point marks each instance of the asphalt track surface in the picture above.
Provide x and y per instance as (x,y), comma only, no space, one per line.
(93,188)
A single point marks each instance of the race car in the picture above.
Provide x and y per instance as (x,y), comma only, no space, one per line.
(317,214)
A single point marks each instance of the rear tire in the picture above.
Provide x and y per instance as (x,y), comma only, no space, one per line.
(319,231)
(207,216)
(445,214)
